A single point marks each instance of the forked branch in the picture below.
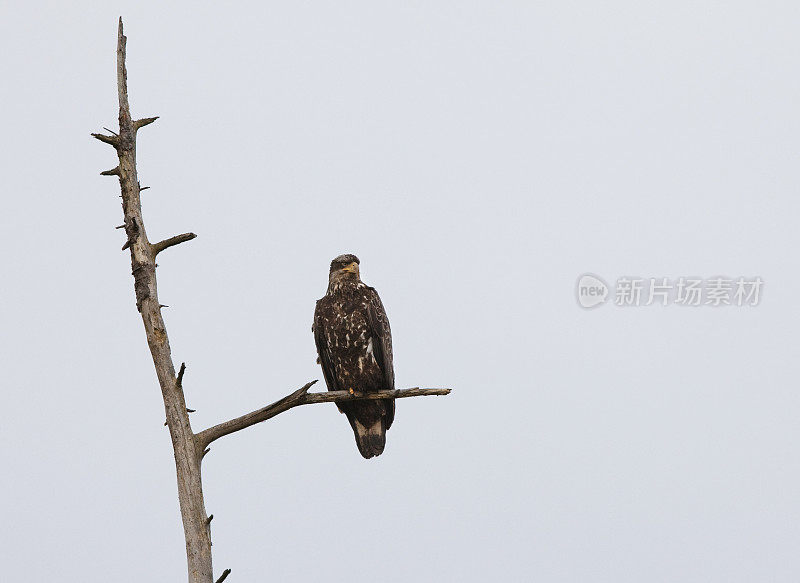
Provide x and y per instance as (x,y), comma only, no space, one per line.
(302,397)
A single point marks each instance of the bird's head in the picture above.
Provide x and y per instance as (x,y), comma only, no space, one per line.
(344,269)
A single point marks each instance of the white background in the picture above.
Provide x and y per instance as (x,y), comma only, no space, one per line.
(477,157)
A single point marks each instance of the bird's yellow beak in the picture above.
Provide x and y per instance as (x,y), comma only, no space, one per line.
(352,268)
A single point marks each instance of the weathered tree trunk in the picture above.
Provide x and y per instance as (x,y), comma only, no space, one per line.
(189,447)
(143,255)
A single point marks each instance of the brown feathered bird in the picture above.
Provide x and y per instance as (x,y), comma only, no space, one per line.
(354,344)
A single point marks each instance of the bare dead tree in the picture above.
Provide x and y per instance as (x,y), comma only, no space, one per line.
(189,447)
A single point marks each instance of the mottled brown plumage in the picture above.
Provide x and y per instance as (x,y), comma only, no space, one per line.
(354,344)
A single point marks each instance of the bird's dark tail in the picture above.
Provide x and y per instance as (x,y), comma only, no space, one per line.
(370,439)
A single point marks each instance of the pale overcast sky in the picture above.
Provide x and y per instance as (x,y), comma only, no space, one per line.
(478,157)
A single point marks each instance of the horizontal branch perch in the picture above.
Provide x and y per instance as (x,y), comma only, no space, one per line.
(339,396)
(303,397)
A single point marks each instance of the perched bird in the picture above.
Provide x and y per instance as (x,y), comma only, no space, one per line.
(354,344)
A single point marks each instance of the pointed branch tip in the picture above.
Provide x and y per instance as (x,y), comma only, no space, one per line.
(172,241)
(224,575)
(140,123)
(113,172)
(179,381)
(308,385)
(111,140)
(300,393)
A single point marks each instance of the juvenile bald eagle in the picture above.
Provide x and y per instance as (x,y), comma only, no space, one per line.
(354,344)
